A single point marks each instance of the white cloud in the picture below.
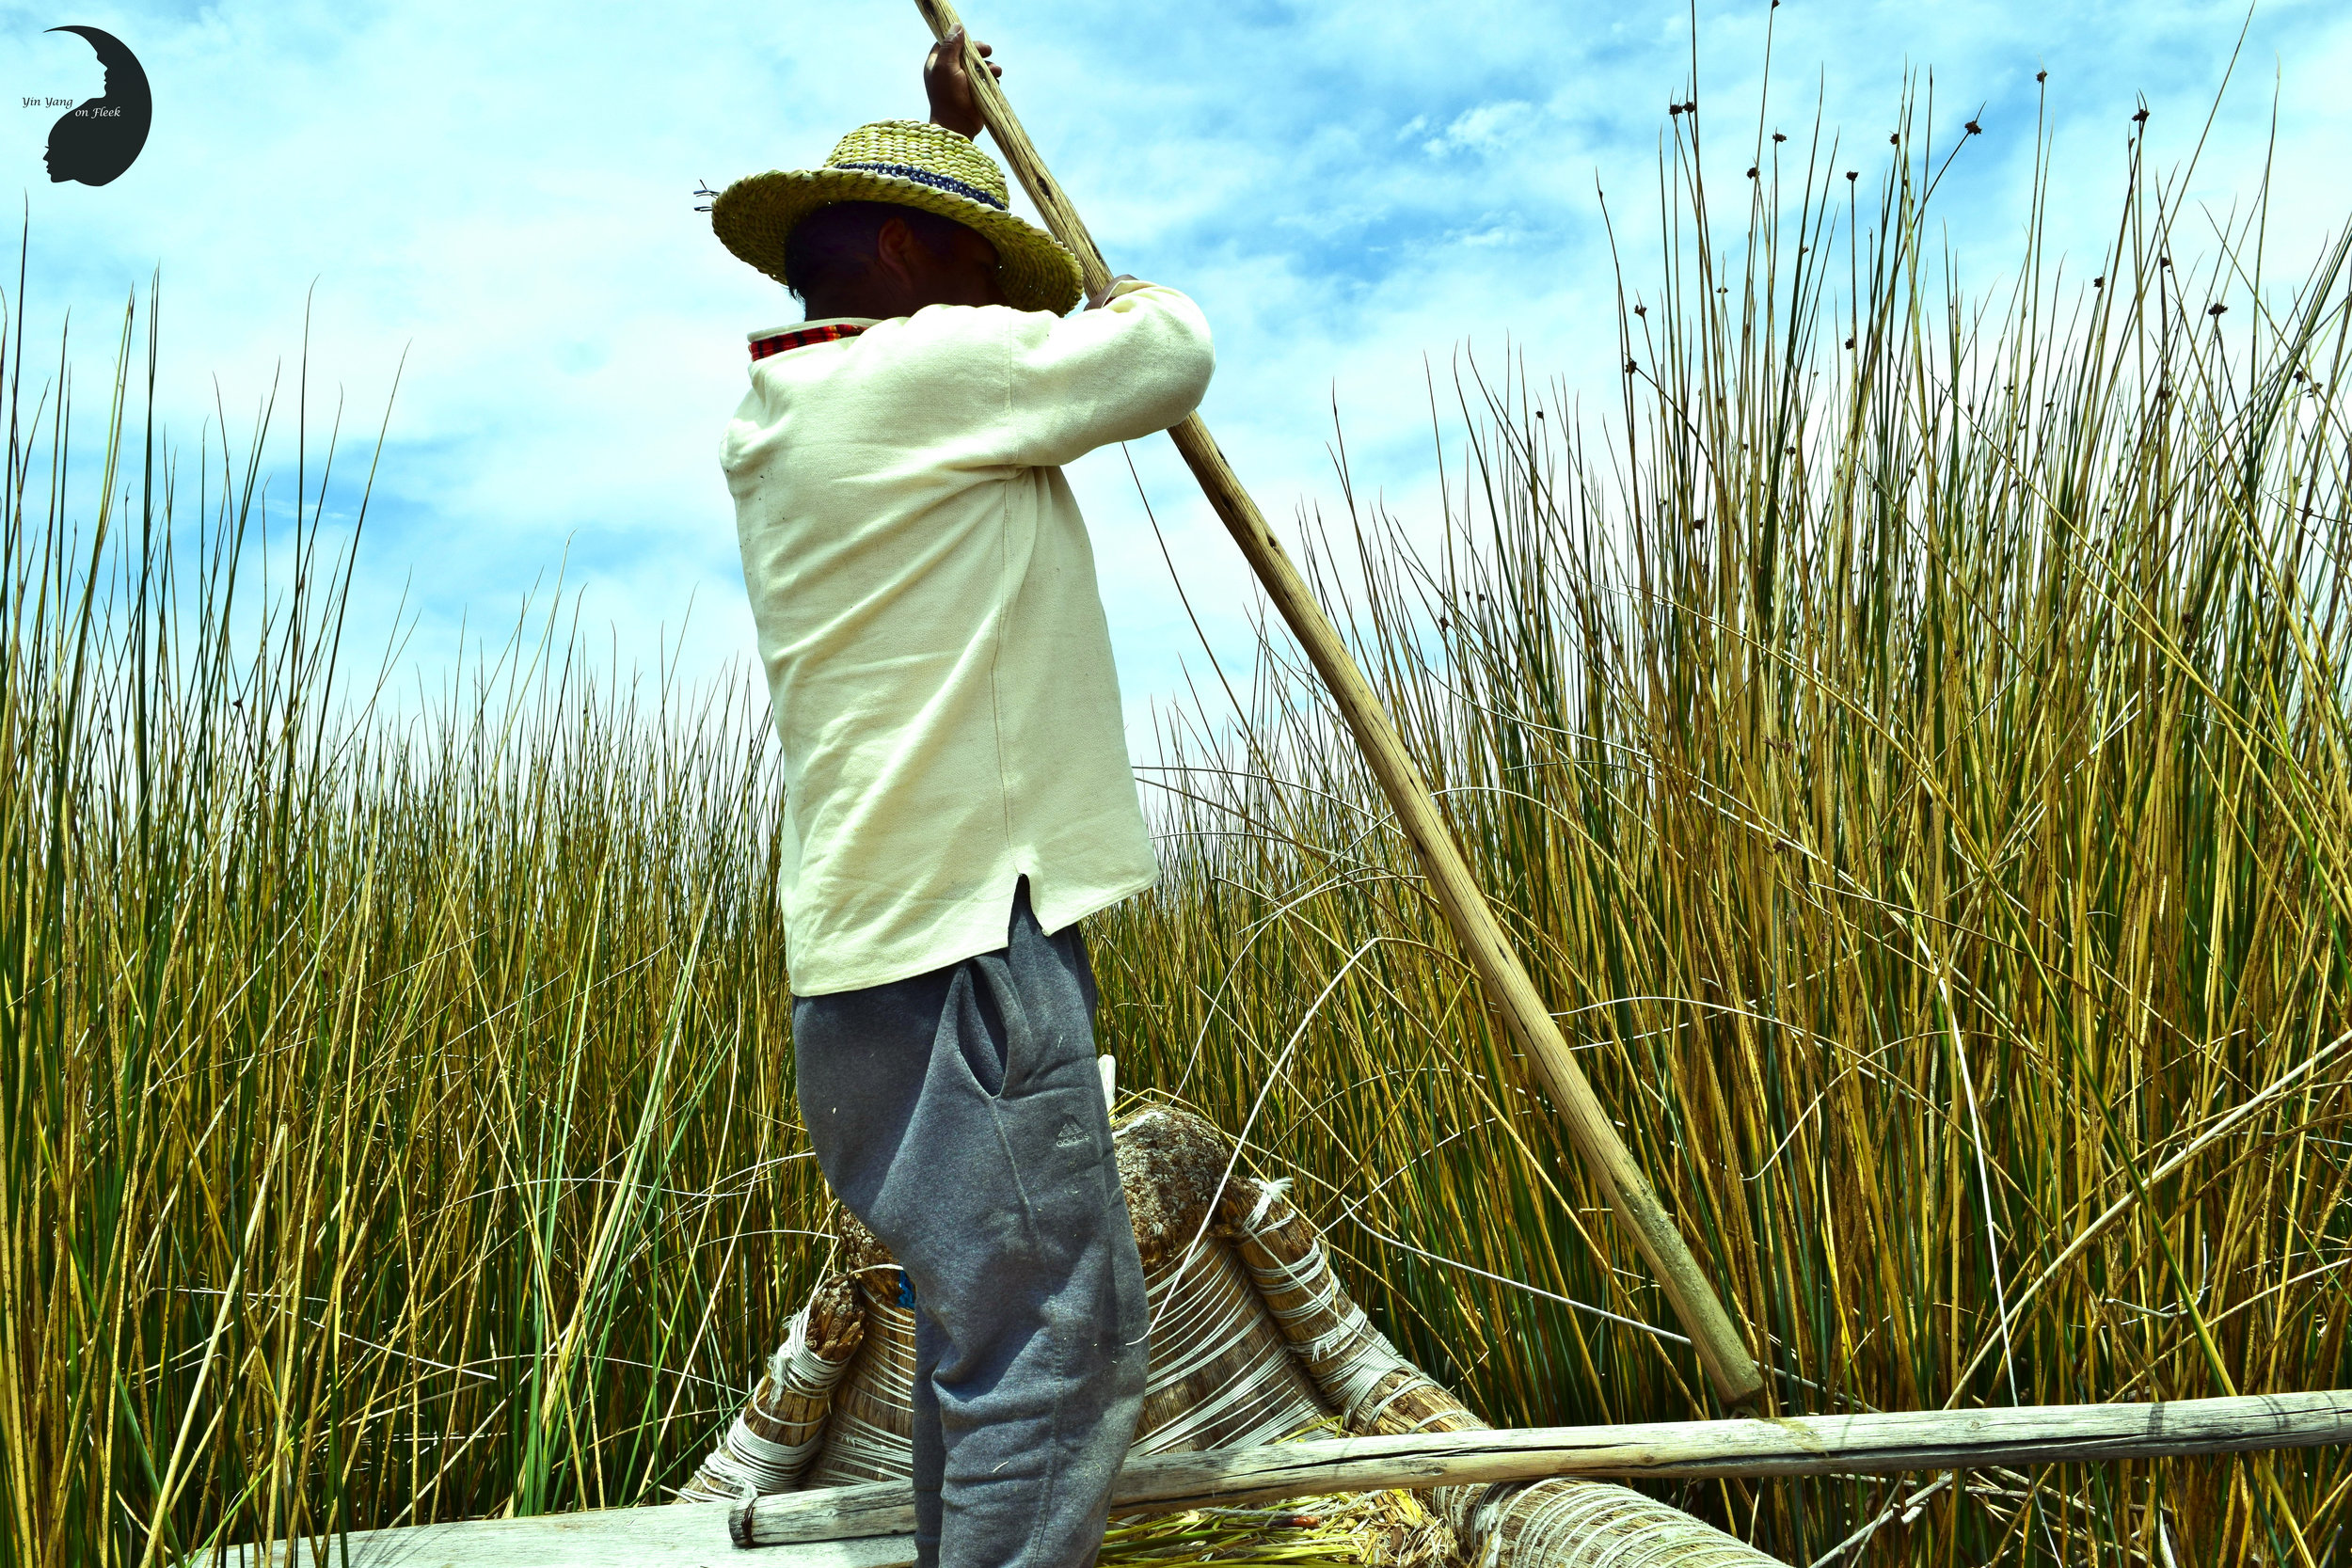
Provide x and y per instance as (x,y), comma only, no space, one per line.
(1490,128)
(506,196)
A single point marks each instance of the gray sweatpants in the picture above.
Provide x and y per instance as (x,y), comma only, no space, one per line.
(959,1114)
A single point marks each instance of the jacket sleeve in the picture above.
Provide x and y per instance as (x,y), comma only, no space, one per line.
(1133,368)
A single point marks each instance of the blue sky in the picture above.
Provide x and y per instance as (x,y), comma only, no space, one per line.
(506,196)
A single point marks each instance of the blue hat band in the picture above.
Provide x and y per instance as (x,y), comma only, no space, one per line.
(938,182)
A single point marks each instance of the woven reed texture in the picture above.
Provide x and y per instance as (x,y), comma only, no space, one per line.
(1374,1388)
(1223,1375)
(1585,1524)
(754,215)
(871,1435)
(1549,1524)
(783,1424)
(1254,1337)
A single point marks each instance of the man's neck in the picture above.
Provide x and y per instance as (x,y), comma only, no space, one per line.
(861,304)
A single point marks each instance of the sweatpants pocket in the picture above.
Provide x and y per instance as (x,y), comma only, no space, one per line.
(981,1037)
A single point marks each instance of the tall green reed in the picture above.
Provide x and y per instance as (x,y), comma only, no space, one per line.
(399,1118)
(1916,769)
(1909,744)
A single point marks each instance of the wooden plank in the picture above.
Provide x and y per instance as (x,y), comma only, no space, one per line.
(871,1527)
(682,1535)
(1476,931)
(1808,1445)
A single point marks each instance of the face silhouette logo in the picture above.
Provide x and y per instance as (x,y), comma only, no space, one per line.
(96,140)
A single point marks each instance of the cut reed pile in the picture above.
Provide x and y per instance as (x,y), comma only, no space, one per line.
(1917,772)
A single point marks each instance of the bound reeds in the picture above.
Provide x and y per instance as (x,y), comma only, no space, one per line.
(782,1425)
(1222,1375)
(871,1434)
(1561,1523)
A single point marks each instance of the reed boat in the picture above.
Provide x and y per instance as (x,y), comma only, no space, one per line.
(1259,1360)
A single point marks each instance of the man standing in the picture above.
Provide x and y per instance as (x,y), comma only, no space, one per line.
(958,793)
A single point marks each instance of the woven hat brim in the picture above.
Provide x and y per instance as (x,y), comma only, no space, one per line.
(754,215)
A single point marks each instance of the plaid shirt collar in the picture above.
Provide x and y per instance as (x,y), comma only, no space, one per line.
(832,332)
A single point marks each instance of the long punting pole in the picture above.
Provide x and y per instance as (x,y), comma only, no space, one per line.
(1729,1366)
(1806,1445)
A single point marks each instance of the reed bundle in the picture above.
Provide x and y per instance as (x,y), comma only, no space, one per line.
(1551,1523)
(1255,1341)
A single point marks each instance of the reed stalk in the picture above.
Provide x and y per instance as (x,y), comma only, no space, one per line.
(1915,771)
(1907,735)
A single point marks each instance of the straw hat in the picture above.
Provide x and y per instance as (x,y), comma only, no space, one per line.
(913,164)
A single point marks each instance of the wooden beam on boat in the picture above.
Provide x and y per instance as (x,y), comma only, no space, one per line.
(686,1535)
(871,1527)
(1804,1444)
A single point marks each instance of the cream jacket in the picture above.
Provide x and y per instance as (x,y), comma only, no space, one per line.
(938,662)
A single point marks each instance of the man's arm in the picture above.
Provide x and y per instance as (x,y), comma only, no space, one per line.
(1137,361)
(1131,366)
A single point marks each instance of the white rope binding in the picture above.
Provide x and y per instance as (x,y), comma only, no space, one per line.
(1350,1358)
(746,1464)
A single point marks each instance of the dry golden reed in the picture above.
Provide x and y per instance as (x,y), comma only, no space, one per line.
(1907,740)
(1910,748)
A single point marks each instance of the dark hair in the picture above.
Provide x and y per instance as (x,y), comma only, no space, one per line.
(835,244)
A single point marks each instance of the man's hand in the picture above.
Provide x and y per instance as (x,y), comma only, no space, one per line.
(1095,301)
(950,86)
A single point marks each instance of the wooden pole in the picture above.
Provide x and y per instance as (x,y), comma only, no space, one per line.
(1729,1366)
(1798,1446)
